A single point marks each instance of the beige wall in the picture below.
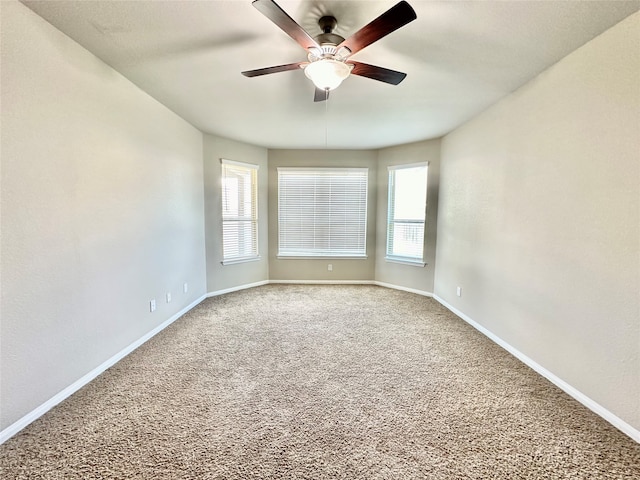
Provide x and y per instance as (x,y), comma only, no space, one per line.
(408,276)
(539,220)
(316,269)
(222,277)
(102,210)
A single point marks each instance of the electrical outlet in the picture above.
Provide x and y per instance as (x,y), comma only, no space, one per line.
(168,297)
(185,287)
(459,291)
(152,305)
(330,267)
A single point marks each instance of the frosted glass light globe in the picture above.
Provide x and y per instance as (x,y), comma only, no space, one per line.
(327,74)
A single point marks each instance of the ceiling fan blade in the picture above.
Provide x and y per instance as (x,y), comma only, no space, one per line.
(273,12)
(321,95)
(377,73)
(276,69)
(391,20)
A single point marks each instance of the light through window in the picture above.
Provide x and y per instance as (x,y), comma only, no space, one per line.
(406,212)
(239,212)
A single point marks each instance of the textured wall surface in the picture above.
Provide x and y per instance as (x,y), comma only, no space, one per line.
(221,277)
(102,210)
(539,220)
(408,276)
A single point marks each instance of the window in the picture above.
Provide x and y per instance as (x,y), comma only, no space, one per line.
(322,212)
(406,213)
(239,212)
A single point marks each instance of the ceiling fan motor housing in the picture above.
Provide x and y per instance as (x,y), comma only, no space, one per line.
(328,41)
(327,50)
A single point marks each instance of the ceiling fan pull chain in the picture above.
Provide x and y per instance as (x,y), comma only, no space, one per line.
(326,118)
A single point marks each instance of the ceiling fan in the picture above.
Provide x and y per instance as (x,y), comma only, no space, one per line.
(328,53)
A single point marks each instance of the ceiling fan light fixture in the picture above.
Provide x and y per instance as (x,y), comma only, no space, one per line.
(327,74)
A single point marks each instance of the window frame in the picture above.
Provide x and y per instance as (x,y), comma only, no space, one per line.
(252,171)
(285,246)
(391,219)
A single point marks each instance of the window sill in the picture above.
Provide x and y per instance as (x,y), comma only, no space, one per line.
(321,257)
(240,260)
(406,261)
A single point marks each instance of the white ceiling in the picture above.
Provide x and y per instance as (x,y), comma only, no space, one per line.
(459,56)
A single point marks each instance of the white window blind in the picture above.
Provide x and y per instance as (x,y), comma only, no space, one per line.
(239,211)
(406,212)
(322,212)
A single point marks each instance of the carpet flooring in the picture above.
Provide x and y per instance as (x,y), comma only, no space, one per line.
(320,382)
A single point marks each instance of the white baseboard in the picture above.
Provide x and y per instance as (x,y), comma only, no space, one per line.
(235,289)
(404,289)
(325,282)
(15,427)
(355,282)
(558,382)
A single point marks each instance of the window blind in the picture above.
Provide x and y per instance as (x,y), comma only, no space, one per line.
(239,211)
(322,212)
(406,212)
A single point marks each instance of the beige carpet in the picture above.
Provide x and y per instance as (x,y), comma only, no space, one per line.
(320,382)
